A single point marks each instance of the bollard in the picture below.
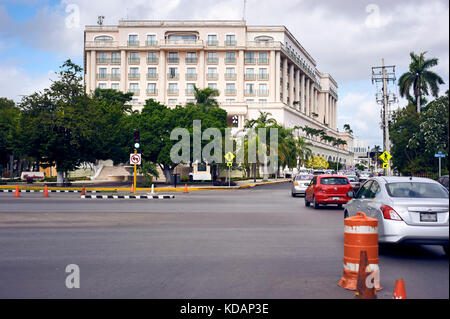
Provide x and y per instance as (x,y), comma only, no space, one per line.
(360,233)
(17,192)
(83,191)
(45,191)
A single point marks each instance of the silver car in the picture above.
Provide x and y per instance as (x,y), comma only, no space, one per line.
(410,210)
(300,184)
(354,181)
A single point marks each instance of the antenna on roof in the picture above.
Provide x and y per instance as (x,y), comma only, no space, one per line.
(243,13)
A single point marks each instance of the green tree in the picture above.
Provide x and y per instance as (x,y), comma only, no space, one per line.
(420,79)
(9,115)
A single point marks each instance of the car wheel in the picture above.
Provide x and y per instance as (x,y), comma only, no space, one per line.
(445,249)
(339,205)
(293,194)
(316,205)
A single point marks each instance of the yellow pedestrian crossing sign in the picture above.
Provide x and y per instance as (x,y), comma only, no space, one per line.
(385,157)
(229,157)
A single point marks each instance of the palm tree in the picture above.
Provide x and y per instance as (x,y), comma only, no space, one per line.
(206,97)
(420,79)
(348,129)
(303,150)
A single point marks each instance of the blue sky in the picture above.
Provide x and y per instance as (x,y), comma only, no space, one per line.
(345,37)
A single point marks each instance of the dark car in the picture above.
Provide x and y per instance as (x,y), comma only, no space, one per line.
(443,180)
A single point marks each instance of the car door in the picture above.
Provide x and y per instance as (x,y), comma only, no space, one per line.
(310,190)
(357,204)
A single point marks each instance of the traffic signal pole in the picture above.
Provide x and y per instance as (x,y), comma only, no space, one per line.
(134,179)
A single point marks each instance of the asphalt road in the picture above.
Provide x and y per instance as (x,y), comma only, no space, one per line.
(252,243)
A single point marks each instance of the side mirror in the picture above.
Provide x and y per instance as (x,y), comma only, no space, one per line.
(350,194)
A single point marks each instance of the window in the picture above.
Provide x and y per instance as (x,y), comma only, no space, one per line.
(152,73)
(191,57)
(152,57)
(134,88)
(212,73)
(263,58)
(263,75)
(190,88)
(230,73)
(250,57)
(249,88)
(173,88)
(173,57)
(133,40)
(263,89)
(334,181)
(212,39)
(115,57)
(151,40)
(212,86)
(211,57)
(230,101)
(102,85)
(151,88)
(102,73)
(416,190)
(230,39)
(134,73)
(172,101)
(173,73)
(115,86)
(230,88)
(230,57)
(103,38)
(250,74)
(115,73)
(134,57)
(102,57)
(364,190)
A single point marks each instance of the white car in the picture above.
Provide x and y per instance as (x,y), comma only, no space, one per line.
(300,184)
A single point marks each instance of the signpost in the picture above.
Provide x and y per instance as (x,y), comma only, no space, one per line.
(385,157)
(439,155)
(229,158)
(135,159)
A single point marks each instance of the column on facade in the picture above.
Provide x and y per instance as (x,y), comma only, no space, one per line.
(272,76)
(277,76)
(308,100)
(303,99)
(316,101)
(240,75)
(201,70)
(297,88)
(327,101)
(311,98)
(93,69)
(285,80)
(335,114)
(87,80)
(291,85)
(123,70)
(163,77)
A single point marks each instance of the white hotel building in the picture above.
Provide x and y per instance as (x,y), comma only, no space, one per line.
(255,68)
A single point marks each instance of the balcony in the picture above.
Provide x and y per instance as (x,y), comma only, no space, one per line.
(230,43)
(230,91)
(250,61)
(230,60)
(230,76)
(191,60)
(115,76)
(152,76)
(152,91)
(134,91)
(212,76)
(133,76)
(102,76)
(212,43)
(250,76)
(263,61)
(250,92)
(191,76)
(152,60)
(263,76)
(151,43)
(212,60)
(187,44)
(173,76)
(190,91)
(103,60)
(134,60)
(115,60)
(263,92)
(173,60)
(101,44)
(172,91)
(133,43)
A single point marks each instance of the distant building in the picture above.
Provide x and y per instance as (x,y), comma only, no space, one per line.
(255,68)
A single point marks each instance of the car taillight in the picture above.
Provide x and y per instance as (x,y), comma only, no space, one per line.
(390,213)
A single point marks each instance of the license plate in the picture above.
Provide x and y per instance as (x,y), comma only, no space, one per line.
(336,198)
(428,217)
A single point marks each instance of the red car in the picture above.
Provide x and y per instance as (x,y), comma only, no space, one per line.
(328,189)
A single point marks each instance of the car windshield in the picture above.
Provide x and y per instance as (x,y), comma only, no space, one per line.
(416,190)
(334,181)
(304,177)
(351,179)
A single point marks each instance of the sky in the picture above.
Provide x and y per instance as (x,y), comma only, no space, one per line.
(345,37)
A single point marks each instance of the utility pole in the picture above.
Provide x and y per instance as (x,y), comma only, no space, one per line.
(385,74)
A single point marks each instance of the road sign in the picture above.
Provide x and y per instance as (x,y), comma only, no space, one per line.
(386,165)
(385,157)
(439,154)
(135,159)
(229,157)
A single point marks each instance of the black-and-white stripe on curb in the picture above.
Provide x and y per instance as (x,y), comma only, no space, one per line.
(41,191)
(127,196)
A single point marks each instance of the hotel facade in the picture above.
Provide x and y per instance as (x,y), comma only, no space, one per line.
(255,68)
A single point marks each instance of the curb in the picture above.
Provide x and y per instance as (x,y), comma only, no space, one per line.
(127,196)
(41,191)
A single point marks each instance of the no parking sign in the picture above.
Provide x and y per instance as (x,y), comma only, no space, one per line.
(135,159)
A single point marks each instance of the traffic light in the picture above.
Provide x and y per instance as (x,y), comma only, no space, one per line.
(136,139)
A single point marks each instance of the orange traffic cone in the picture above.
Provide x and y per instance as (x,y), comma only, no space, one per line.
(132,188)
(185,189)
(83,191)
(45,191)
(17,193)
(362,290)
(400,291)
